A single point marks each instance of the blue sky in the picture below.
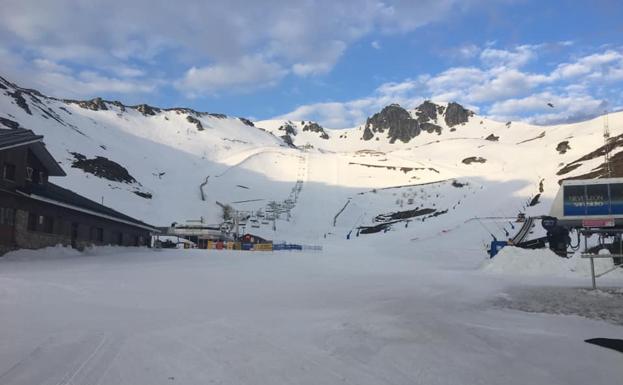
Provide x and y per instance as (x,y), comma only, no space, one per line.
(335,62)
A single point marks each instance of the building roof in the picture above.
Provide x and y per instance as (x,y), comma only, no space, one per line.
(59,196)
(19,137)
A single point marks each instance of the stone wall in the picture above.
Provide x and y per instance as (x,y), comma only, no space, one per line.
(35,239)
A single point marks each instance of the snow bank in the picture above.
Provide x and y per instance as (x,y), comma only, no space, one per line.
(543,262)
(61,252)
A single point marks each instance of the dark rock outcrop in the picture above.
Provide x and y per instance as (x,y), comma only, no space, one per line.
(315,127)
(96,104)
(102,167)
(492,138)
(474,159)
(426,111)
(430,128)
(21,102)
(195,121)
(563,147)
(143,194)
(397,121)
(288,140)
(247,122)
(456,114)
(288,128)
(147,110)
(367,133)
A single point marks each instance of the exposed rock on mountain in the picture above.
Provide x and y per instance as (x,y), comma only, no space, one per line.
(456,114)
(492,138)
(247,122)
(367,133)
(288,140)
(147,110)
(474,159)
(397,121)
(288,128)
(102,167)
(430,128)
(315,127)
(426,111)
(195,121)
(21,102)
(563,147)
(93,104)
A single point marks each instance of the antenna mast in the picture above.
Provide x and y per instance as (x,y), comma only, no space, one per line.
(607,146)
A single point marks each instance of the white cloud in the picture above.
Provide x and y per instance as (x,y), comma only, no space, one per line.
(243,75)
(503,91)
(306,37)
(375,44)
(517,57)
(607,65)
(567,108)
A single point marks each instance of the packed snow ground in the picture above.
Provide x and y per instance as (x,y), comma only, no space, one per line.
(353,314)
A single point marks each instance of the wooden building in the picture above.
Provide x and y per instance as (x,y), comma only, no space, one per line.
(36,213)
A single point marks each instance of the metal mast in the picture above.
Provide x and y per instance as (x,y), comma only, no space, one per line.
(607,146)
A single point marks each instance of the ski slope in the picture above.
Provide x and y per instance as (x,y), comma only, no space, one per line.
(170,153)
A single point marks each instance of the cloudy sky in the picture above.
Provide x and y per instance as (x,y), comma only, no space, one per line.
(332,61)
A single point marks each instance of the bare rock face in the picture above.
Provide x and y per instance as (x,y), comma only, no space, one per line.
(247,122)
(456,114)
(288,140)
(102,167)
(315,127)
(492,138)
(396,120)
(474,159)
(288,128)
(147,110)
(426,111)
(430,128)
(195,121)
(96,104)
(21,102)
(563,147)
(367,133)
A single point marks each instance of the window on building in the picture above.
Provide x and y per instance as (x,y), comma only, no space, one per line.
(7,216)
(41,177)
(32,221)
(8,172)
(119,238)
(29,172)
(97,234)
(48,224)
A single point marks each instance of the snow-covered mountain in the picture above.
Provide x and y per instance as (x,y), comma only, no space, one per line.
(416,172)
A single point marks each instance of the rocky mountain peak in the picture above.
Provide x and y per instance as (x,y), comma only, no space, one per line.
(426,111)
(315,127)
(396,120)
(456,114)
(95,104)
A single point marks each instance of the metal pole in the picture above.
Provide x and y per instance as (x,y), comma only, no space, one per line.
(593,273)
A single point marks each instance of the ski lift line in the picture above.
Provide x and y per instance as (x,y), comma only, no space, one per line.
(485,227)
(201,186)
(340,212)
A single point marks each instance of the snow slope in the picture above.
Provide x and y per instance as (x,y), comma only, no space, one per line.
(327,183)
(351,315)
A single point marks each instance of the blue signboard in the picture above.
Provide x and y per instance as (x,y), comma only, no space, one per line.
(593,200)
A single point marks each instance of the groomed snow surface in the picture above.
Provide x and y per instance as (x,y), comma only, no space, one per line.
(352,314)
